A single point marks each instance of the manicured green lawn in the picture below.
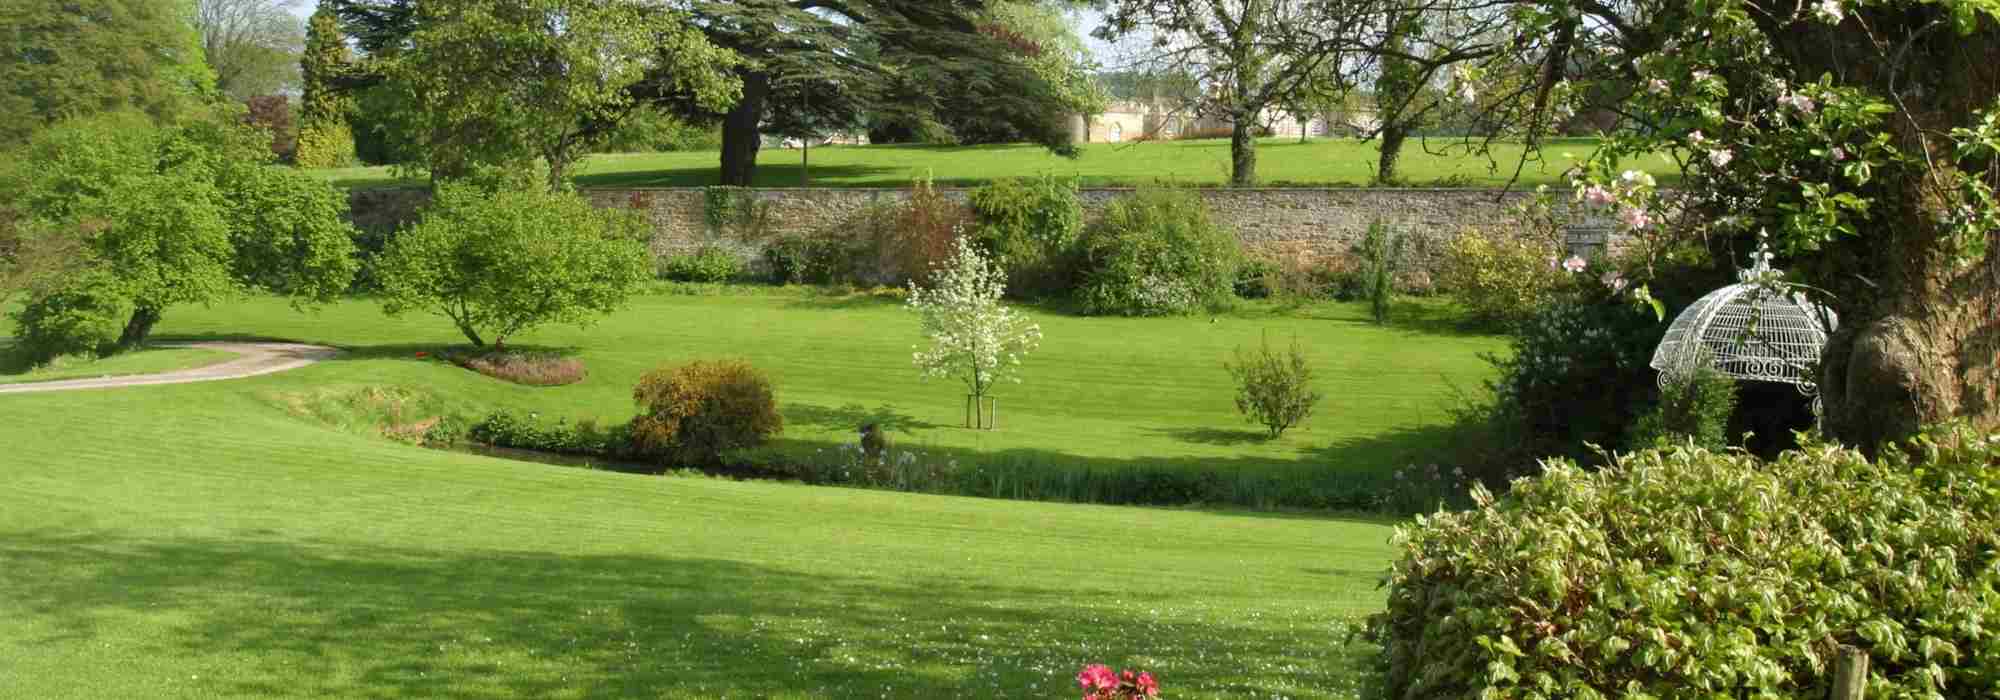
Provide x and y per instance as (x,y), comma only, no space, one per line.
(1279,162)
(142,362)
(194,541)
(1101,393)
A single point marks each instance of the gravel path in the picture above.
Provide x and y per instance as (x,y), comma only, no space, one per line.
(255,359)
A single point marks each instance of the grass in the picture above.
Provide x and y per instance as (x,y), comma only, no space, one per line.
(1100,394)
(145,361)
(1280,162)
(192,541)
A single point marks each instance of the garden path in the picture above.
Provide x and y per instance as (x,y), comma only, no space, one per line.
(253,359)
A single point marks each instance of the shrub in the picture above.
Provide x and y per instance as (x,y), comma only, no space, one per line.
(708,264)
(1256,278)
(1032,225)
(1273,389)
(529,368)
(1694,407)
(1577,373)
(83,317)
(527,432)
(1381,253)
(695,412)
(812,260)
(1685,569)
(1498,277)
(1156,253)
(501,264)
(916,235)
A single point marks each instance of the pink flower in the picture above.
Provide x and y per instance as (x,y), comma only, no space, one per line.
(1597,196)
(1798,101)
(1574,264)
(1635,218)
(1839,154)
(1720,157)
(1148,686)
(1696,138)
(1097,676)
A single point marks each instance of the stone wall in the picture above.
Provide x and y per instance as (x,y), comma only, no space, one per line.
(1318,220)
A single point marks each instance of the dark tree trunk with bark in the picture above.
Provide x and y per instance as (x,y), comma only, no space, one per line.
(740,135)
(1242,152)
(138,327)
(1919,336)
(1391,140)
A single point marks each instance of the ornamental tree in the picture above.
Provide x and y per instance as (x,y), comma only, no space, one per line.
(501,263)
(325,138)
(1864,137)
(974,338)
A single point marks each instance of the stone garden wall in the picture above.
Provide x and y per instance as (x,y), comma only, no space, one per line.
(1318,220)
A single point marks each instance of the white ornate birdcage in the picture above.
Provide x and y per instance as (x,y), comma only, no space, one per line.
(1759,329)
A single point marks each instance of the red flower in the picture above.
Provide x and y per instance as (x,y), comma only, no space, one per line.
(1148,686)
(422,355)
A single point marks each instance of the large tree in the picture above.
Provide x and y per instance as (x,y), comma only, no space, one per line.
(1863,137)
(253,45)
(325,139)
(1247,56)
(71,58)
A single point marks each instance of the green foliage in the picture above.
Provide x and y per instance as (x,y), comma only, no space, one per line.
(186,214)
(1675,570)
(528,432)
(1577,373)
(504,263)
(1273,389)
(1156,252)
(693,413)
(82,317)
(325,138)
(709,264)
(67,59)
(504,84)
(1032,225)
(649,129)
(1695,407)
(813,260)
(912,238)
(1500,278)
(1381,253)
(736,212)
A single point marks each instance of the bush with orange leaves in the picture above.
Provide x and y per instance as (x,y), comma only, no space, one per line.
(693,413)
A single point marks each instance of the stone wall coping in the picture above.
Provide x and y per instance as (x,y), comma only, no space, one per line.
(1121,188)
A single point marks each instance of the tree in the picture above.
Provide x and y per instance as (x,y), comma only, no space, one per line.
(502,82)
(33,258)
(974,337)
(498,264)
(72,58)
(1247,56)
(325,140)
(273,114)
(252,45)
(1863,137)
(189,213)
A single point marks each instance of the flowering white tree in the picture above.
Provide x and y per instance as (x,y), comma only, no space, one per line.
(974,337)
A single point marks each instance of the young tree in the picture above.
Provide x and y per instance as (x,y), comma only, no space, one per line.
(1864,137)
(74,58)
(974,337)
(325,139)
(503,82)
(185,214)
(498,264)
(253,45)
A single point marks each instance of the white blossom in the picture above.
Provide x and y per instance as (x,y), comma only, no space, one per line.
(974,337)
(1831,11)
(1720,157)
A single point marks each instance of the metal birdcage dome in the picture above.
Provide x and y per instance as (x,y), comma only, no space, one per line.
(1759,329)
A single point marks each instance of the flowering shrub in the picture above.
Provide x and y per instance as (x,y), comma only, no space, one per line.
(693,413)
(974,337)
(1686,569)
(1156,253)
(1099,683)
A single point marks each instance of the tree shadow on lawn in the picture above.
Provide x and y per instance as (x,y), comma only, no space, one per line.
(852,416)
(339,619)
(416,352)
(1225,437)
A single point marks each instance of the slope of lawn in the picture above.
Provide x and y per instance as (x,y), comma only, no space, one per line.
(147,361)
(192,541)
(1101,393)
(1280,162)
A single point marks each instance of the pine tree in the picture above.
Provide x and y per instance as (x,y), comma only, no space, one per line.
(324,138)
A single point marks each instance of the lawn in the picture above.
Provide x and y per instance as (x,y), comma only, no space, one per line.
(1100,394)
(1280,162)
(146,361)
(200,541)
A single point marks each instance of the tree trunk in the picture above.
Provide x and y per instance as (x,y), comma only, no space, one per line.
(1919,336)
(1242,152)
(138,327)
(740,137)
(1391,139)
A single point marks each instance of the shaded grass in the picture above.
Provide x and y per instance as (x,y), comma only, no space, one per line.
(204,545)
(142,361)
(1280,162)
